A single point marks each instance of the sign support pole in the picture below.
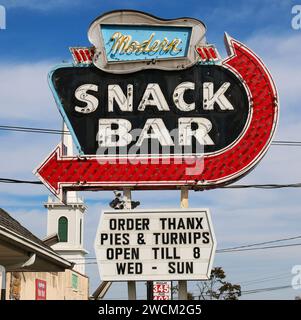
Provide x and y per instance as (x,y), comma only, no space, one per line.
(3,286)
(127,197)
(183,283)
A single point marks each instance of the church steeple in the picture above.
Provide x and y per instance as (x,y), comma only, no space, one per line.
(67,220)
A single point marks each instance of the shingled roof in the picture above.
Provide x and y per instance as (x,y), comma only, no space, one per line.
(13,225)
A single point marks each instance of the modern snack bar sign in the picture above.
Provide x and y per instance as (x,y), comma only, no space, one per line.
(155,245)
(152,105)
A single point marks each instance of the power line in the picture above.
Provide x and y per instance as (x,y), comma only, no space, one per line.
(258,186)
(260,243)
(262,248)
(57,131)
(267,279)
(258,290)
(5,180)
(32,130)
(263,186)
(289,143)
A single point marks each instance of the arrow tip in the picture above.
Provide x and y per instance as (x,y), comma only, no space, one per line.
(229,47)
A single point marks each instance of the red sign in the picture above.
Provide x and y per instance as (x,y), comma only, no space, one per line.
(60,173)
(162,290)
(40,289)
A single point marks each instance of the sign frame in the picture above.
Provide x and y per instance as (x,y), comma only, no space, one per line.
(177,213)
(139,18)
(220,168)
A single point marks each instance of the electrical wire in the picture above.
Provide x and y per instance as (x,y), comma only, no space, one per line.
(258,186)
(258,290)
(267,279)
(32,130)
(263,186)
(57,131)
(5,180)
(262,248)
(259,243)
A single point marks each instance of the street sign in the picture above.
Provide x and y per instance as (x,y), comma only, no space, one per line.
(185,117)
(147,245)
(162,290)
(40,289)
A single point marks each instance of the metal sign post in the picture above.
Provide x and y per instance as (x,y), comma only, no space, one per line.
(183,283)
(3,286)
(127,197)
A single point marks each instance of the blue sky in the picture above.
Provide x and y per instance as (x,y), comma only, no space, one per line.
(37,38)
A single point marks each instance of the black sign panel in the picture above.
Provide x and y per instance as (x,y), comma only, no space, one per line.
(205,85)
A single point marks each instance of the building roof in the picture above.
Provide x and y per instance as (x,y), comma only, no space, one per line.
(22,250)
(10,223)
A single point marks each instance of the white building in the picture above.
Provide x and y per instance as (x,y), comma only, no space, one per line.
(67,221)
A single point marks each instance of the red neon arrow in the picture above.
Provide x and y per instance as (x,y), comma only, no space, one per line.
(245,153)
(60,173)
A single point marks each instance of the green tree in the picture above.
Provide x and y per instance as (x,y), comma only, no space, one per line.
(217,288)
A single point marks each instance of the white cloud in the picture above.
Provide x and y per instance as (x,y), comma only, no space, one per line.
(25,95)
(281,53)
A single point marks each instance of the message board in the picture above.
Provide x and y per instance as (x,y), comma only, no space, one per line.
(155,245)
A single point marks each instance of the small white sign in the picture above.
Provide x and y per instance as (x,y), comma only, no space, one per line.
(143,245)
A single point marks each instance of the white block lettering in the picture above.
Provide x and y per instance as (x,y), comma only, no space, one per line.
(210,98)
(108,137)
(201,133)
(153,96)
(178,96)
(159,132)
(82,95)
(125,103)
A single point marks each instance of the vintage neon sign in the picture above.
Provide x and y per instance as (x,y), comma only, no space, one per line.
(227,106)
